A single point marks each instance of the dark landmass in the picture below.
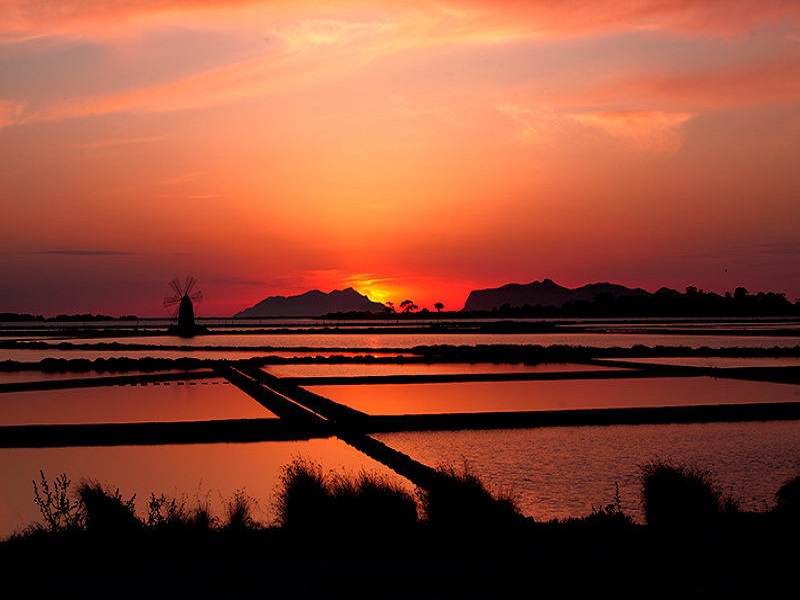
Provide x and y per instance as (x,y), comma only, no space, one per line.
(312,304)
(542,293)
(547,299)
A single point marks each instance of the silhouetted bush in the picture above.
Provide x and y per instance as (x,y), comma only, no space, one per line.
(369,505)
(106,511)
(679,497)
(303,499)
(171,515)
(787,502)
(57,504)
(239,514)
(458,503)
(311,501)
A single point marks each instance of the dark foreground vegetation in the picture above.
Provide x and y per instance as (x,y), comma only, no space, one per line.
(359,536)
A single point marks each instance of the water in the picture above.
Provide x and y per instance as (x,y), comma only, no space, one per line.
(376,341)
(562,472)
(201,473)
(36,355)
(357,370)
(555,472)
(471,397)
(30,375)
(722,362)
(168,401)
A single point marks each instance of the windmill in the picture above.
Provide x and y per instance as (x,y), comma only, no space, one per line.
(182,302)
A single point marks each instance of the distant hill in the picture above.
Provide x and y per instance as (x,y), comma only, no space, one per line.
(543,293)
(312,304)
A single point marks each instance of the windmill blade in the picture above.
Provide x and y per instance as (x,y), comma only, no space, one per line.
(170,300)
(189,285)
(175,284)
(197,296)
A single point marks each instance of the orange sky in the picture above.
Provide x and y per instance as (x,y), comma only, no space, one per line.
(407,149)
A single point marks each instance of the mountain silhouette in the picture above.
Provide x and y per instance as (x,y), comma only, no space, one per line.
(543,293)
(312,304)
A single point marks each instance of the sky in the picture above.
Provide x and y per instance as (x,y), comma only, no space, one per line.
(406,149)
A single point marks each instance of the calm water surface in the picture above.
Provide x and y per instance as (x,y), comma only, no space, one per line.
(470,397)
(563,472)
(355,370)
(27,376)
(722,362)
(171,401)
(409,340)
(35,355)
(202,473)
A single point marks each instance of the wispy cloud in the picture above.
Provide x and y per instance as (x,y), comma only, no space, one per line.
(236,281)
(780,248)
(122,141)
(316,42)
(650,132)
(102,18)
(11,111)
(366,279)
(80,252)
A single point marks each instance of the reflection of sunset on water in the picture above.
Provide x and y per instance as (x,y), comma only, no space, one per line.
(205,473)
(345,370)
(429,398)
(173,401)
(560,472)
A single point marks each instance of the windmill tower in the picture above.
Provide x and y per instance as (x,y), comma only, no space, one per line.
(183,298)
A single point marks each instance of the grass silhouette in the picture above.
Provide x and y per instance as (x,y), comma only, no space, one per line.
(312,503)
(353,535)
(680,497)
(458,503)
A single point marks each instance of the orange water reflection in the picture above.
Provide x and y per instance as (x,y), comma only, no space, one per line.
(207,473)
(25,376)
(721,361)
(559,472)
(36,354)
(174,401)
(434,398)
(356,370)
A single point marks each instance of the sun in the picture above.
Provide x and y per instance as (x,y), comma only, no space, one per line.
(376,289)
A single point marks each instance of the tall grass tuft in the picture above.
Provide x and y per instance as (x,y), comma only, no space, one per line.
(303,499)
(459,503)
(239,514)
(369,505)
(107,513)
(58,504)
(311,501)
(172,515)
(680,497)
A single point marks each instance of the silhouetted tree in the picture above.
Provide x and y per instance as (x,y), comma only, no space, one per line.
(438,306)
(389,307)
(408,306)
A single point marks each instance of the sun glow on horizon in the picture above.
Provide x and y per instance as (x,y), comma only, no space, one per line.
(410,150)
